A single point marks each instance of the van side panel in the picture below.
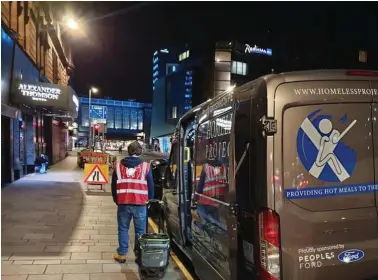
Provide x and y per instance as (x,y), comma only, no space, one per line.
(374,85)
(324,192)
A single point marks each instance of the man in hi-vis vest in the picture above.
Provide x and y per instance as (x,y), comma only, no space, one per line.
(132,187)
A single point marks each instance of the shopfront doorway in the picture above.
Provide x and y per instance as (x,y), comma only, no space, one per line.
(5,150)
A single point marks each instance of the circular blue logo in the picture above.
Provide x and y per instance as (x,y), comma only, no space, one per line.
(349,256)
(321,149)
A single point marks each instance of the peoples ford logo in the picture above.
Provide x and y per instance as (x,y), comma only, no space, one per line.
(321,148)
(350,256)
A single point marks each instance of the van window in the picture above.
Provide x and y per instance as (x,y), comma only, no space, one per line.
(328,156)
(212,149)
(171,171)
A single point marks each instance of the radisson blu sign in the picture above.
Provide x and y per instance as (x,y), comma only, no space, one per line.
(257,50)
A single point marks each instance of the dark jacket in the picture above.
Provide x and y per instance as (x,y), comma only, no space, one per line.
(39,160)
(132,162)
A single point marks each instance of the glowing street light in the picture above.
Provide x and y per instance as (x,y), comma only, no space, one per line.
(94,90)
(70,23)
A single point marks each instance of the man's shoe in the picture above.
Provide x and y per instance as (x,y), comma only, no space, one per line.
(120,258)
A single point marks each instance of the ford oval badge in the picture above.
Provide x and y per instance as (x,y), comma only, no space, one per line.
(349,256)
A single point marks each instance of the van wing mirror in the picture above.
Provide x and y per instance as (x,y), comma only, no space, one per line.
(186,155)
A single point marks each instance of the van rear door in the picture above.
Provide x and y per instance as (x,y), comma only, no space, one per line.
(327,202)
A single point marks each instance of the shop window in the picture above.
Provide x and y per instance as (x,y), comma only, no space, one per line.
(126,119)
(110,118)
(140,120)
(239,68)
(85,115)
(118,119)
(134,120)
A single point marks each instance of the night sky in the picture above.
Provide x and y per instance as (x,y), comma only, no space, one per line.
(116,53)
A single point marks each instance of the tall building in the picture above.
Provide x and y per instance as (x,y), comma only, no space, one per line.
(162,64)
(125,120)
(36,100)
(202,72)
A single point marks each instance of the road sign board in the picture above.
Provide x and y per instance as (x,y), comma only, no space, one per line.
(96,174)
(97,112)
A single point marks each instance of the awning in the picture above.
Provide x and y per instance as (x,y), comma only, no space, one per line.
(9,111)
(45,97)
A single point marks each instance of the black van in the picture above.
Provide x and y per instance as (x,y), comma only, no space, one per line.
(277,179)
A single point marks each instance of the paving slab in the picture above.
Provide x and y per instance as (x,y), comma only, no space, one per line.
(54,228)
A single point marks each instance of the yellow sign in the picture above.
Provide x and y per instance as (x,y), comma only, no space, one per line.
(96,174)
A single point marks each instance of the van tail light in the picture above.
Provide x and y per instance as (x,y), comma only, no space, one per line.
(362,73)
(269,238)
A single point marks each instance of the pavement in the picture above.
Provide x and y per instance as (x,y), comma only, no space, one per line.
(53,228)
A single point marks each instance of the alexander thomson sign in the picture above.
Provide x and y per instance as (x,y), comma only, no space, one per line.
(45,95)
(39,92)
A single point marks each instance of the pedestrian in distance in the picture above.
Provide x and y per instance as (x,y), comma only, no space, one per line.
(132,187)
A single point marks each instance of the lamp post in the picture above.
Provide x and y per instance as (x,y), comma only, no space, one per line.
(94,90)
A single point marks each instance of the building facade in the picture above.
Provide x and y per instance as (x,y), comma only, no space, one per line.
(35,99)
(202,72)
(125,120)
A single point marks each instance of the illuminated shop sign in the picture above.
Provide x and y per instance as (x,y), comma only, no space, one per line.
(45,95)
(256,49)
(39,93)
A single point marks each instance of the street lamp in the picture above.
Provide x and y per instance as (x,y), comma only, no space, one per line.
(70,23)
(91,90)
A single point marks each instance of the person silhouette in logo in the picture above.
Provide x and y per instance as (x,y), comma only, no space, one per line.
(329,143)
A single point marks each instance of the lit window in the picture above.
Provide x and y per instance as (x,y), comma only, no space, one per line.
(173,68)
(134,120)
(174,112)
(184,55)
(239,68)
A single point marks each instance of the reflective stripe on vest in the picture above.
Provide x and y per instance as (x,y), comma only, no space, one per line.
(132,190)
